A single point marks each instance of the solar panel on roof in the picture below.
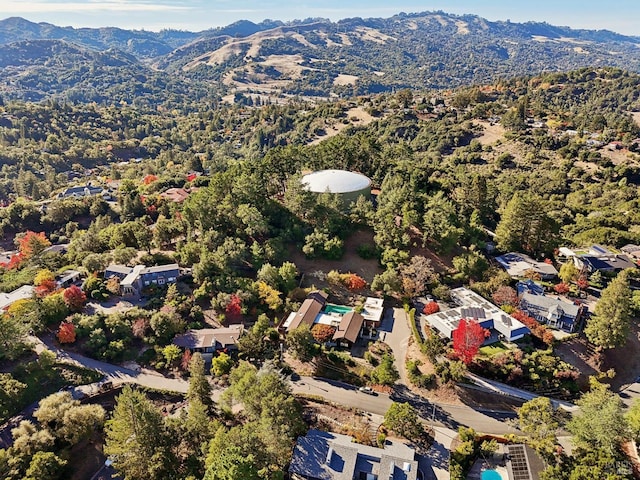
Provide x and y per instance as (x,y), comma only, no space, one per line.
(518,462)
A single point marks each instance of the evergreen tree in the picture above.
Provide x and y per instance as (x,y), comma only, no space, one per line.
(609,325)
(199,387)
(526,227)
(137,440)
(600,424)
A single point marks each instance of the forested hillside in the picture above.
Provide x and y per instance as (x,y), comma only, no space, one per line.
(270,60)
(191,163)
(429,152)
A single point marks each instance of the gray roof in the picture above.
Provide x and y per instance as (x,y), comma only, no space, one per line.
(160,268)
(209,337)
(517,264)
(607,262)
(630,248)
(121,269)
(550,303)
(331,456)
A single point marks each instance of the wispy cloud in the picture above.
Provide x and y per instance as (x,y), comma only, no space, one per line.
(13,7)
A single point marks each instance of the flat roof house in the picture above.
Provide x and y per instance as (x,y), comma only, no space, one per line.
(518,265)
(67,278)
(331,456)
(22,293)
(473,306)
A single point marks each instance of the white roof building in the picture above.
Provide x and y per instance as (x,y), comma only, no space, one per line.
(473,306)
(22,293)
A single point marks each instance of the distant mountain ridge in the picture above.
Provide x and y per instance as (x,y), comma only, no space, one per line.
(312,57)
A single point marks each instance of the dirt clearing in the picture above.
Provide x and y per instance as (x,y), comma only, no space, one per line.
(355,116)
(491,134)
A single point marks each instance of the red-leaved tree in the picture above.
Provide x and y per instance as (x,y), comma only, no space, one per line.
(322,333)
(74,297)
(430,308)
(14,262)
(139,327)
(561,288)
(355,282)
(582,282)
(149,179)
(45,288)
(537,329)
(468,337)
(67,332)
(185,360)
(235,305)
(505,296)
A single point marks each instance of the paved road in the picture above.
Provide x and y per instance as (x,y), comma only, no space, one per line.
(113,373)
(630,394)
(443,415)
(397,334)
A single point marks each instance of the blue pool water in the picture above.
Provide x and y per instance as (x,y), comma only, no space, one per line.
(490,475)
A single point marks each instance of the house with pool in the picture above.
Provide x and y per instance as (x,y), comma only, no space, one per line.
(348,323)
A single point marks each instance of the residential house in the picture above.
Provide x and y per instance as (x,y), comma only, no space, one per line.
(60,248)
(81,191)
(210,340)
(134,279)
(473,306)
(519,265)
(600,259)
(68,278)
(308,311)
(332,456)
(553,311)
(175,195)
(632,250)
(348,330)
(22,293)
(349,324)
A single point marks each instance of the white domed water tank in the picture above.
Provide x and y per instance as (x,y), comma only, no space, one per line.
(348,185)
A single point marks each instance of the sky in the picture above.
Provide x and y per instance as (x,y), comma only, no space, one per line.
(622,16)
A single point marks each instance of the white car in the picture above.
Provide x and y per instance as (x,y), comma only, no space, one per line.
(367,390)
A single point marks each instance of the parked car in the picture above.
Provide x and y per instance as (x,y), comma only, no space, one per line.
(367,390)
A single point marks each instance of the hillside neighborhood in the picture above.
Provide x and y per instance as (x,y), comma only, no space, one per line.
(383,283)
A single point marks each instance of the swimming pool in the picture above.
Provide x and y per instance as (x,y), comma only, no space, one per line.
(490,475)
(339,309)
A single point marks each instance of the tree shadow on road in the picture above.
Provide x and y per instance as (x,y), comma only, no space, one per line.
(427,410)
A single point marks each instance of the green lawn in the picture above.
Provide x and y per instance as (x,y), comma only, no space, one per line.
(493,349)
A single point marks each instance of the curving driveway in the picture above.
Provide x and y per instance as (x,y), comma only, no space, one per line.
(395,332)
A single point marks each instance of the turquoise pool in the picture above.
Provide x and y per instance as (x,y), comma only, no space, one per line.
(339,309)
(490,475)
